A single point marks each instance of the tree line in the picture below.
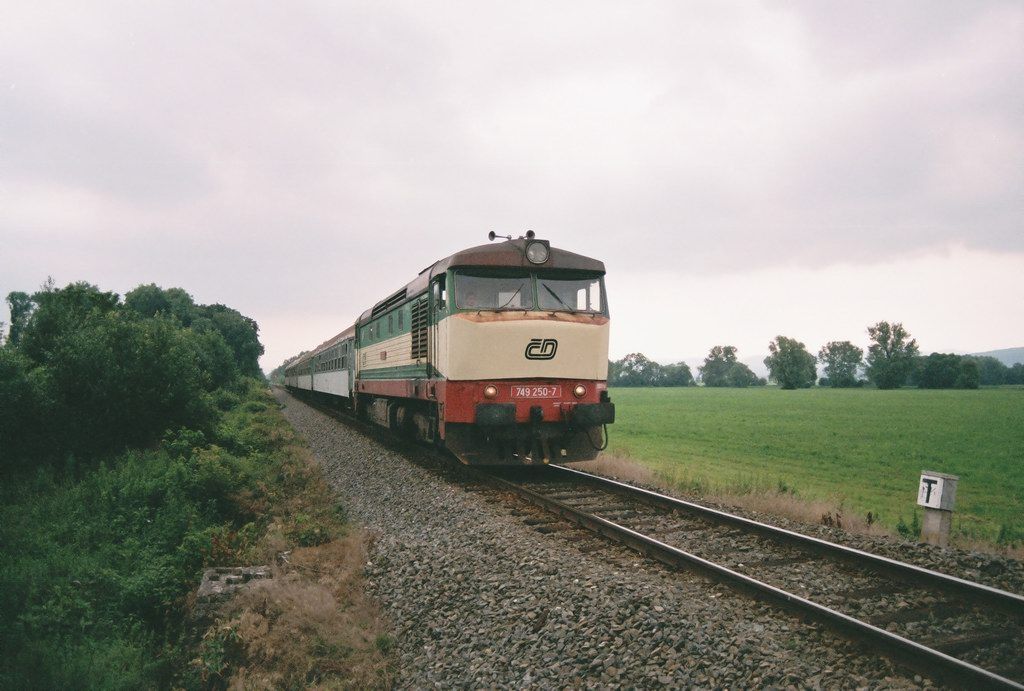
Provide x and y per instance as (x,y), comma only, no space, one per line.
(893,359)
(83,372)
(720,368)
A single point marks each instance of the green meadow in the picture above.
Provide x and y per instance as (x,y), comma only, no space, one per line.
(864,448)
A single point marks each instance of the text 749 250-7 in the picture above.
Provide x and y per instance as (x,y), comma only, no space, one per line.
(536,392)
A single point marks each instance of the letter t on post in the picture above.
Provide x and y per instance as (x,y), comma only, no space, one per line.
(936,493)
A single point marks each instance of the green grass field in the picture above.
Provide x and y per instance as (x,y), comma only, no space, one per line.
(862,447)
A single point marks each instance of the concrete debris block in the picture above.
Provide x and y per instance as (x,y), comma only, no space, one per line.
(220,583)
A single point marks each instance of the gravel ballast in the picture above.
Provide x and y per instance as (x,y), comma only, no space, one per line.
(478,596)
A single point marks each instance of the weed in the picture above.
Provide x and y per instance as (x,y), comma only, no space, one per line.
(309,531)
(217,654)
(1009,536)
(761,498)
(911,531)
(820,443)
(310,625)
(384,643)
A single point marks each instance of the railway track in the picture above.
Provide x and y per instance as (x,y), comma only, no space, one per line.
(951,629)
(948,628)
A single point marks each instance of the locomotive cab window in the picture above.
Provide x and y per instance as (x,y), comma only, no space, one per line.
(440,294)
(571,294)
(493,292)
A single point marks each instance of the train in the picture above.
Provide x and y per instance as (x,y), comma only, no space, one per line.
(497,353)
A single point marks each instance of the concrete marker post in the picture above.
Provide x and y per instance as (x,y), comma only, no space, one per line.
(937,494)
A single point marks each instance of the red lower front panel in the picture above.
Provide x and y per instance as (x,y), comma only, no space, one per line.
(556,397)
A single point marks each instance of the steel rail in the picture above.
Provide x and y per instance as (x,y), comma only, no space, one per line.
(928,660)
(1004,599)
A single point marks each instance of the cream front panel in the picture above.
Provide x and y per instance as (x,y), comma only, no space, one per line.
(472,349)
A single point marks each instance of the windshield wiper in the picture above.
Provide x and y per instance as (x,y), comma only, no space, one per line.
(509,301)
(555,296)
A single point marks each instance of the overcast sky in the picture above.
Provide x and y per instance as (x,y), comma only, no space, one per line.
(744,169)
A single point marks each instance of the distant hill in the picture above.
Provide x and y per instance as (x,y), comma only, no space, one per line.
(1007,356)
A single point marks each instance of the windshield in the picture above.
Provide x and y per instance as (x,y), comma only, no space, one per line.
(572,295)
(493,292)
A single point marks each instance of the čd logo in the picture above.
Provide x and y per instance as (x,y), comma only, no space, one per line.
(541,349)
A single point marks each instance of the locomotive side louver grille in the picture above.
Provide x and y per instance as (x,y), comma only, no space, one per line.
(388,303)
(419,328)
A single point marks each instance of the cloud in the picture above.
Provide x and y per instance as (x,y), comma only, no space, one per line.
(266,155)
(958,300)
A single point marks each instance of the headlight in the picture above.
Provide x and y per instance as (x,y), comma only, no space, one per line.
(537,252)
(490,391)
(580,391)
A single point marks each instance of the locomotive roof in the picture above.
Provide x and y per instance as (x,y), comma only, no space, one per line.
(511,253)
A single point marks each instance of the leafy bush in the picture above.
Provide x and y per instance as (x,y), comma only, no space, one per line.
(88,375)
(134,452)
(24,407)
(947,371)
(637,370)
(119,382)
(97,567)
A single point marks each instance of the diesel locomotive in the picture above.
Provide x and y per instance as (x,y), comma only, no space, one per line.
(499,353)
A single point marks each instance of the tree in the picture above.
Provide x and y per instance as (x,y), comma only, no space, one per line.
(721,368)
(890,355)
(841,360)
(991,372)
(1015,374)
(940,371)
(948,371)
(916,369)
(740,376)
(91,375)
(715,370)
(790,364)
(969,374)
(124,380)
(21,307)
(678,374)
(637,370)
(59,313)
(150,299)
(24,417)
(240,332)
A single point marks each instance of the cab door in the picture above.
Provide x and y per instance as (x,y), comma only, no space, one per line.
(438,311)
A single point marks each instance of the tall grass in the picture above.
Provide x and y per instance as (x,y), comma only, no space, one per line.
(862,449)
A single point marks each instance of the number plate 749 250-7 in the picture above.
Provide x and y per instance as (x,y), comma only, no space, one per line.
(536,391)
